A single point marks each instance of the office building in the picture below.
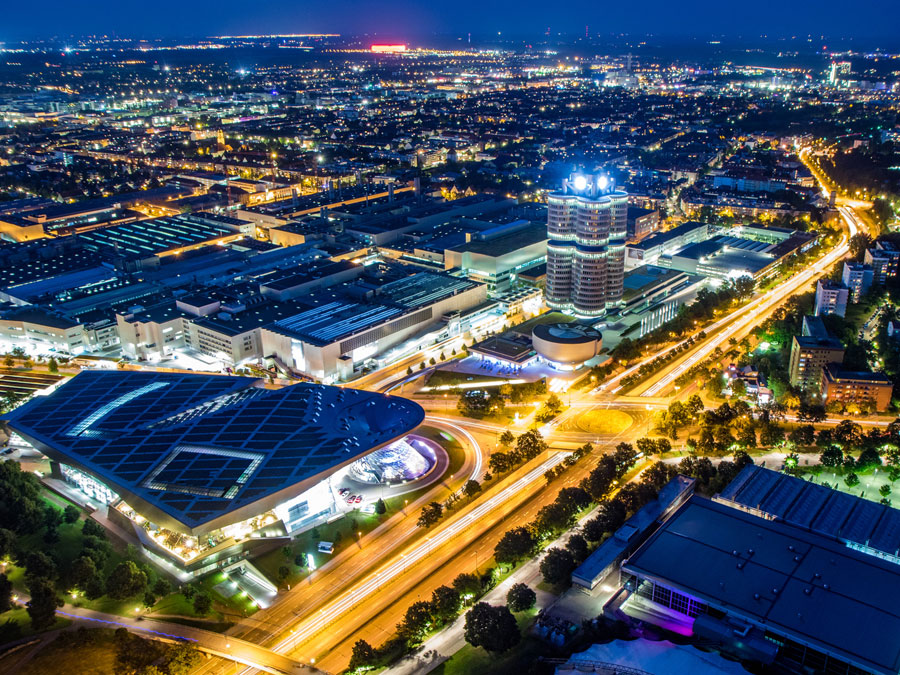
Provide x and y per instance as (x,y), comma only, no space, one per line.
(859,387)
(641,222)
(586,226)
(831,298)
(494,256)
(205,468)
(858,278)
(650,250)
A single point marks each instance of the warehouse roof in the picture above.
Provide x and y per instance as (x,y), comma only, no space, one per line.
(800,584)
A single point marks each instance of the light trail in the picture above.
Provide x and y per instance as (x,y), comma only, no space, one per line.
(479,459)
(373,583)
(760,305)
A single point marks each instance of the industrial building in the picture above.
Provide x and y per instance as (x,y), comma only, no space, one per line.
(494,256)
(329,339)
(776,571)
(648,251)
(206,467)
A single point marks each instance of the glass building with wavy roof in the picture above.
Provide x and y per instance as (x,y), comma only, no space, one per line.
(204,465)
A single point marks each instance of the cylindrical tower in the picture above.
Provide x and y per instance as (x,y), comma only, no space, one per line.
(562,214)
(586,226)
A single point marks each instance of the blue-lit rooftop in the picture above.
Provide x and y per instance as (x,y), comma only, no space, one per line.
(198,452)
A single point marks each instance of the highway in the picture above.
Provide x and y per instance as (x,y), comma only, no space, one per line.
(748,317)
(366,599)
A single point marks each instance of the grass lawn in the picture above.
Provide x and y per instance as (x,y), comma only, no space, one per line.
(20,616)
(517,660)
(176,604)
(605,421)
(869,482)
(550,317)
(94,659)
(344,531)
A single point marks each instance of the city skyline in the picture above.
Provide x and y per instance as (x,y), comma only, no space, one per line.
(797,20)
(425,340)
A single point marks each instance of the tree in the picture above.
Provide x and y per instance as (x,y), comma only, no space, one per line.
(851,480)
(180,659)
(363,655)
(71,514)
(82,571)
(747,436)
(493,628)
(624,457)
(573,499)
(126,580)
(149,599)
(53,365)
(6,542)
(868,458)
(658,474)
(599,480)
(578,547)
(803,435)
(520,597)
(530,444)
(507,438)
(283,573)
(771,434)
(858,244)
(42,606)
(832,456)
(847,433)
(514,545)
(416,622)
(188,591)
(693,406)
(430,515)
(471,488)
(161,587)
(380,507)
(38,565)
(552,518)
(91,528)
(6,589)
(884,490)
(500,462)
(202,604)
(811,412)
(445,602)
(557,567)
(467,585)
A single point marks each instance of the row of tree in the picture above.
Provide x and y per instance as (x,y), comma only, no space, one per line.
(29,526)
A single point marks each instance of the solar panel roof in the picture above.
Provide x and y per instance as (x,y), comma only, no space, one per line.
(197,448)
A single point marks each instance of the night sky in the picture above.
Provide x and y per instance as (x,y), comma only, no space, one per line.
(410,19)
